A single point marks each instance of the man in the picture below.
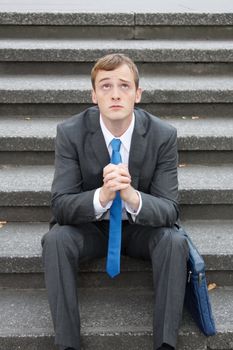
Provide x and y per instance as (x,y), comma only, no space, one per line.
(86,185)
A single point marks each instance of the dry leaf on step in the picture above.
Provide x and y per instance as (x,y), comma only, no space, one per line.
(2,223)
(212,286)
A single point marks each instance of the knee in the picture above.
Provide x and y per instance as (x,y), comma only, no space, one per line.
(157,236)
(169,238)
(179,242)
(61,237)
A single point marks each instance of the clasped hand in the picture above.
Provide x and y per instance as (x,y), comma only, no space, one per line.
(117,178)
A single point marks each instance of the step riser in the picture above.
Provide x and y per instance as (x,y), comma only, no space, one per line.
(139,342)
(139,55)
(82,32)
(205,157)
(101,280)
(187,341)
(111,16)
(28,158)
(25,214)
(84,96)
(47,158)
(187,212)
(71,19)
(122,32)
(24,264)
(184,32)
(206,212)
(164,109)
(188,197)
(147,65)
(41,143)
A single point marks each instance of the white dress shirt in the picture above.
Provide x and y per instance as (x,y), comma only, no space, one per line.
(124,151)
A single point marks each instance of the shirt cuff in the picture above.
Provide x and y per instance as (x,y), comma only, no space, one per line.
(131,211)
(99,210)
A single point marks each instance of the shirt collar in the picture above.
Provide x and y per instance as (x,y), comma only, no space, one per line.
(125,138)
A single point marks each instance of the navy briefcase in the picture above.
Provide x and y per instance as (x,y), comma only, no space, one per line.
(196,296)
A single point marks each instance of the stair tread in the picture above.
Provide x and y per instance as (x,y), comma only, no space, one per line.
(20,247)
(90,50)
(39,178)
(104,312)
(82,82)
(94,44)
(193,133)
(179,88)
(148,6)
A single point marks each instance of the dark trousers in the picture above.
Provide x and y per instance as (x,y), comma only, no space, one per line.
(65,246)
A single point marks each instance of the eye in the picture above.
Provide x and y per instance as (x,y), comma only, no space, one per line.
(125,86)
(106,86)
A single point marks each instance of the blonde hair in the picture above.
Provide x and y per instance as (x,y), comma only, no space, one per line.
(111,62)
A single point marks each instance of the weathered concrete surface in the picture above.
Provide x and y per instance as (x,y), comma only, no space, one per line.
(125,32)
(30,185)
(20,247)
(77,89)
(106,13)
(140,50)
(194,133)
(109,317)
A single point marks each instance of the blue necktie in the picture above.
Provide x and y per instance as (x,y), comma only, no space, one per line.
(114,241)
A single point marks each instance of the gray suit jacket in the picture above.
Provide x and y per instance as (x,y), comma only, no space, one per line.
(81,154)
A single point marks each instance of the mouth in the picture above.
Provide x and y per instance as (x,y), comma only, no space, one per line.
(116,107)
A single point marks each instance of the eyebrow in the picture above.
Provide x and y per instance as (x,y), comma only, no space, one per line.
(123,80)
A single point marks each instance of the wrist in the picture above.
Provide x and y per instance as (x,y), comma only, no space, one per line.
(104,199)
(133,200)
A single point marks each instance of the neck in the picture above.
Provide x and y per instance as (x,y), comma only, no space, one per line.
(117,127)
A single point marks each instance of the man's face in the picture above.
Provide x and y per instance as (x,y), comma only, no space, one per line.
(115,93)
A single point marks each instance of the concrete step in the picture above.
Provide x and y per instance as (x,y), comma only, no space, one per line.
(81,70)
(21,266)
(77,89)
(122,31)
(62,111)
(30,185)
(205,192)
(74,50)
(104,13)
(110,319)
(194,133)
(30,141)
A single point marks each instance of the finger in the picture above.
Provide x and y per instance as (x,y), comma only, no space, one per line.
(117,178)
(120,187)
(109,168)
(115,173)
(115,185)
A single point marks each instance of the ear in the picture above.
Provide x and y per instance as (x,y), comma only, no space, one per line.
(93,95)
(138,95)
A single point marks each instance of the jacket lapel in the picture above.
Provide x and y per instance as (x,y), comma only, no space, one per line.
(99,148)
(97,142)
(138,147)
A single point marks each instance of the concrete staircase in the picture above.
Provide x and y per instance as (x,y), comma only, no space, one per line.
(185,58)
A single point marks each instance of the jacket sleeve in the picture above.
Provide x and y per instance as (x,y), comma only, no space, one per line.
(70,204)
(160,205)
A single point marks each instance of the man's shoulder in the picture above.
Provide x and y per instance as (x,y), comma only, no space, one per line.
(154,123)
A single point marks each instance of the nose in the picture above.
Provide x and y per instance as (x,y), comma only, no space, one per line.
(115,94)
